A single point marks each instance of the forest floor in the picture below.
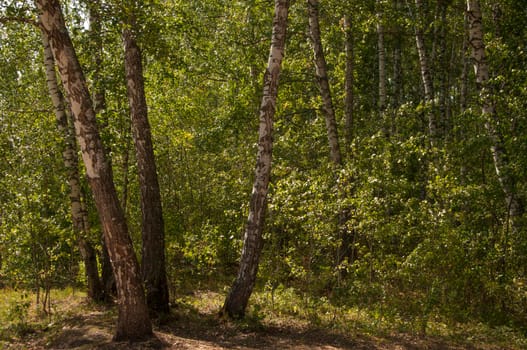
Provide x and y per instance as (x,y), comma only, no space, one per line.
(194,324)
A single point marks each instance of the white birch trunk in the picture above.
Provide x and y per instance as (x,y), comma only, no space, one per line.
(426,73)
(69,155)
(349,99)
(499,154)
(241,290)
(133,319)
(323,83)
(381,52)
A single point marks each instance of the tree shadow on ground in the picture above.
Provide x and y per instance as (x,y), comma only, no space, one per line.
(189,328)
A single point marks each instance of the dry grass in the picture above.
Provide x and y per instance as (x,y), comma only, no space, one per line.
(281,323)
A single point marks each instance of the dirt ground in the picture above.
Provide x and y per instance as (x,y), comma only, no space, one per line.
(200,329)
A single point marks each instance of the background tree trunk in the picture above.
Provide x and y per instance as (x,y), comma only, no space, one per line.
(241,290)
(153,231)
(426,71)
(381,52)
(499,153)
(133,320)
(69,155)
(349,99)
(323,82)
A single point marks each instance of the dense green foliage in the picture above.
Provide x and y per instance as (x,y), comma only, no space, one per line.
(431,232)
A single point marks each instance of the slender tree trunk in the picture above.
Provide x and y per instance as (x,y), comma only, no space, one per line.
(133,320)
(426,72)
(507,180)
(323,82)
(98,90)
(241,290)
(349,99)
(444,73)
(107,277)
(381,52)
(69,155)
(153,230)
(463,89)
(99,104)
(125,169)
(345,249)
(397,70)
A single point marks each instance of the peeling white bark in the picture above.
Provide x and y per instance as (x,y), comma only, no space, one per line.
(499,153)
(237,299)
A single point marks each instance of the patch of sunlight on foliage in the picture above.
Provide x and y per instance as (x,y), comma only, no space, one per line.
(288,306)
(207,301)
(20,316)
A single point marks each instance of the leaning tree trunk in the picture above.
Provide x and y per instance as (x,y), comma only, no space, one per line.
(323,82)
(153,231)
(499,154)
(99,104)
(321,72)
(241,290)
(133,320)
(69,155)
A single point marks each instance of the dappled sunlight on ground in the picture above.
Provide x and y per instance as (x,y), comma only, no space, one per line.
(194,324)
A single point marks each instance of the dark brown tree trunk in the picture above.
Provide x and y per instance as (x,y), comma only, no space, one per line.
(69,155)
(323,82)
(133,321)
(107,277)
(506,178)
(153,230)
(99,104)
(241,290)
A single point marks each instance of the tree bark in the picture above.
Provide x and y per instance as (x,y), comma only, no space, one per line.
(323,82)
(426,73)
(349,98)
(99,104)
(152,226)
(463,89)
(69,155)
(98,91)
(506,178)
(397,61)
(381,52)
(238,297)
(397,70)
(133,321)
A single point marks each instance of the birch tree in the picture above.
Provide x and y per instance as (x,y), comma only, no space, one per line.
(152,225)
(349,82)
(382,66)
(321,73)
(78,211)
(238,297)
(506,178)
(133,320)
(425,69)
